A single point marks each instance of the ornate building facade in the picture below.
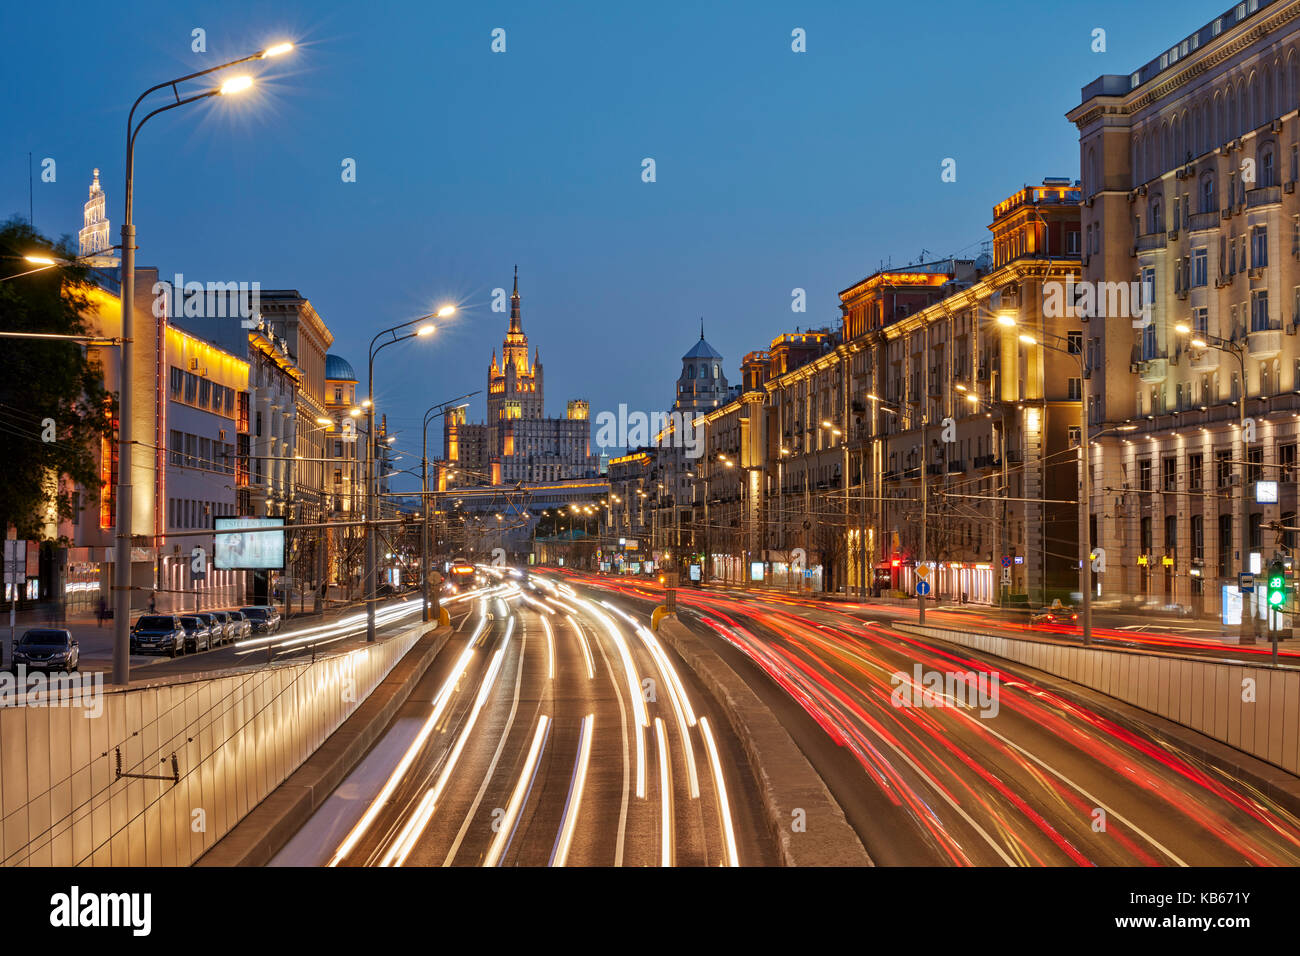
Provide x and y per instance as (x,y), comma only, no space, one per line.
(518,443)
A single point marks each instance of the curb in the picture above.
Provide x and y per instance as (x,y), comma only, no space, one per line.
(265,829)
(1274,782)
(829,839)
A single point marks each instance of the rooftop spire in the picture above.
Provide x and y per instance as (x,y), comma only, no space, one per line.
(516,323)
(701,328)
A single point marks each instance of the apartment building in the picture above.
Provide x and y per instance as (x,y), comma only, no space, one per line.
(1189,169)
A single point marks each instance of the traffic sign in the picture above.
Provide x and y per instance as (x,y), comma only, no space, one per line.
(1006,560)
(923,588)
(922,571)
(1246,582)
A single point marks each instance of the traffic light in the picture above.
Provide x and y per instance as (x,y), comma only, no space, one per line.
(1276,584)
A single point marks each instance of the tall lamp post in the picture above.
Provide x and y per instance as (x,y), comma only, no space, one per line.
(1085,471)
(126,407)
(371,451)
(1248,633)
(436,411)
(925,501)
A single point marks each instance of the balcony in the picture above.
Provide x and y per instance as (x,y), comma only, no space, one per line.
(1200,221)
(1263,196)
(1152,240)
(1265,344)
(986,461)
(1205,360)
(934,469)
(1153,370)
(1015,456)
(957,467)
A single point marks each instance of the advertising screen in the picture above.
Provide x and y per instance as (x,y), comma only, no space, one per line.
(250,547)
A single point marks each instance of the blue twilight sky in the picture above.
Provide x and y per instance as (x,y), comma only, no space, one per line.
(775,169)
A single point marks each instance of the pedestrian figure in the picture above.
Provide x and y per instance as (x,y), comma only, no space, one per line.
(101,612)
(153,604)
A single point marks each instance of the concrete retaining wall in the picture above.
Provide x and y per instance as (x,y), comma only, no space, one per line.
(236,738)
(1206,696)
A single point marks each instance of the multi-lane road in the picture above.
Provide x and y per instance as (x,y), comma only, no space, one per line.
(551,730)
(1013,768)
(555,728)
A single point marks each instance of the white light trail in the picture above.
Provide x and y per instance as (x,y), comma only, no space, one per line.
(524,784)
(572,806)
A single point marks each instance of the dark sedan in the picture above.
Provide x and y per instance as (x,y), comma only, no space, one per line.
(50,649)
(198,634)
(158,634)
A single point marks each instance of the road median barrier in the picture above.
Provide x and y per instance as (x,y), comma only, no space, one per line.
(786,781)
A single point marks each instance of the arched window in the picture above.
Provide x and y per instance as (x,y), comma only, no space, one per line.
(1208,203)
(1155,219)
(717,370)
(690,371)
(704,371)
(1267,174)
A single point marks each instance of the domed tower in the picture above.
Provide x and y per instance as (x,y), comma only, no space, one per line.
(701,386)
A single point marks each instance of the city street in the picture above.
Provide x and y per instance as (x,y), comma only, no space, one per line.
(561,734)
(949,785)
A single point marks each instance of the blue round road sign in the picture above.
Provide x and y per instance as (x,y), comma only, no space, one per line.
(923,588)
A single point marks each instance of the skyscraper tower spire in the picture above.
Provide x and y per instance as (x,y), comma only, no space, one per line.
(516,323)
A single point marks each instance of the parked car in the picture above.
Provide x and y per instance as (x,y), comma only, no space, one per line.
(218,629)
(46,648)
(198,635)
(265,619)
(243,626)
(228,627)
(158,634)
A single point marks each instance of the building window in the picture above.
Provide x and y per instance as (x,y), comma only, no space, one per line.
(1200,270)
(1075,390)
(1207,193)
(1258,247)
(1144,474)
(1198,538)
(1225,545)
(1195,468)
(177,383)
(1074,342)
(1201,321)
(1259,311)
(1223,468)
(1169,474)
(174,443)
(191,387)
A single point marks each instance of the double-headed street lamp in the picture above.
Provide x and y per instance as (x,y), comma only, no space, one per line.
(124,489)
(1203,340)
(1085,467)
(436,411)
(925,501)
(424,328)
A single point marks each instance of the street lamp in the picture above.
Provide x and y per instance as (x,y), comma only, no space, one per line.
(925,501)
(426,329)
(1201,340)
(126,407)
(435,411)
(1085,470)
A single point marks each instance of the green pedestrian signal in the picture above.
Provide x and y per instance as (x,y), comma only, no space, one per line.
(1276,584)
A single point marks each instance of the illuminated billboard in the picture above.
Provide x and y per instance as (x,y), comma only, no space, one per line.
(255,544)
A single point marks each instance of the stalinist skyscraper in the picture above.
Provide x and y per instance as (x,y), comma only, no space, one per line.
(518,442)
